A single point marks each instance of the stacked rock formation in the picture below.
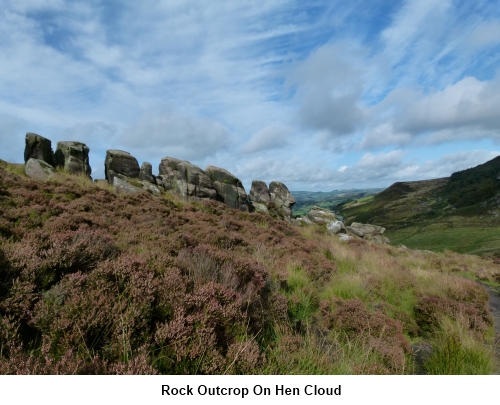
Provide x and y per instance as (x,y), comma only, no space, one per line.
(73,157)
(229,188)
(38,147)
(185,179)
(181,177)
(275,200)
(119,162)
(122,171)
(41,161)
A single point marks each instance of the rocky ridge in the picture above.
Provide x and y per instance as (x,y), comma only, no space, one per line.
(180,177)
(187,180)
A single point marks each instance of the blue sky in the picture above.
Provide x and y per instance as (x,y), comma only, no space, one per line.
(320,95)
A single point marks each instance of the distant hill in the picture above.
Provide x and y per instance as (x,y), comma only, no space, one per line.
(330,199)
(460,212)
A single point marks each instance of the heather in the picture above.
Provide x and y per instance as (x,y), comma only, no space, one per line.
(97,282)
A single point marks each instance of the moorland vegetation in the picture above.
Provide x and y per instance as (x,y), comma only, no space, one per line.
(97,282)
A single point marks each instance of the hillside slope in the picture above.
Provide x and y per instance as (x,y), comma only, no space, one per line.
(96,282)
(460,213)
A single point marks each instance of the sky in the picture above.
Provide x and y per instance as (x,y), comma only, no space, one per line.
(320,95)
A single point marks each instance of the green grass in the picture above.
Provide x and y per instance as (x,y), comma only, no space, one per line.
(439,237)
(455,351)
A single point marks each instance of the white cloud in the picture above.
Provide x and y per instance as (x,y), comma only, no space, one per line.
(329,85)
(268,138)
(161,133)
(485,34)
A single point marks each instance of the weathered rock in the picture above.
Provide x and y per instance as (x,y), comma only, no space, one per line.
(335,227)
(321,216)
(124,186)
(229,188)
(146,185)
(185,179)
(259,207)
(39,169)
(368,228)
(368,232)
(146,172)
(345,238)
(38,147)
(120,162)
(304,221)
(259,192)
(282,198)
(73,157)
(355,231)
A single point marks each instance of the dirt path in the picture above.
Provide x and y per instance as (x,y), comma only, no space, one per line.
(494,304)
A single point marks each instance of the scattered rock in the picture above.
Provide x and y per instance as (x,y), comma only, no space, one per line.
(38,147)
(39,169)
(259,193)
(321,216)
(185,179)
(73,157)
(336,227)
(228,187)
(146,173)
(345,238)
(120,162)
(282,198)
(369,232)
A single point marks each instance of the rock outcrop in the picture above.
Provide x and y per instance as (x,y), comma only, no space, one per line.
(229,188)
(369,232)
(185,179)
(38,147)
(146,173)
(120,162)
(324,217)
(181,177)
(73,157)
(259,192)
(39,169)
(282,198)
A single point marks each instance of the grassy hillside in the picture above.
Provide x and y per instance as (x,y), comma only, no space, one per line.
(95,282)
(461,213)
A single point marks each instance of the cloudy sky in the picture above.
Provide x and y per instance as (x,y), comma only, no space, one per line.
(321,95)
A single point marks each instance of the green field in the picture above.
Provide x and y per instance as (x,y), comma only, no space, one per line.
(482,241)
